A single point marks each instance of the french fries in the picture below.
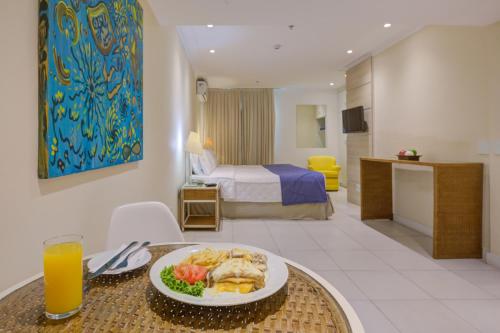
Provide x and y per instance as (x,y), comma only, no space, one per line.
(208,258)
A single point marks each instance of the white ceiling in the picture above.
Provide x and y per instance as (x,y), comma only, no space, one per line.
(314,52)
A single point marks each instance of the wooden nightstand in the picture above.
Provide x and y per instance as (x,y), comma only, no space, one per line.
(205,217)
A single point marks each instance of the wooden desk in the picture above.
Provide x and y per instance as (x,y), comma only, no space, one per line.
(458,203)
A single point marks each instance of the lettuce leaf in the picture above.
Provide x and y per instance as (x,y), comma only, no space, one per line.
(168,277)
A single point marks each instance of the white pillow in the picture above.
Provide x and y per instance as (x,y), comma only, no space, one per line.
(207,161)
(213,158)
(195,164)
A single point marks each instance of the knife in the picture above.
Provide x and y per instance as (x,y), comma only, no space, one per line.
(110,262)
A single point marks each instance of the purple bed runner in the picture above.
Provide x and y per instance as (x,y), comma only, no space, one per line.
(299,185)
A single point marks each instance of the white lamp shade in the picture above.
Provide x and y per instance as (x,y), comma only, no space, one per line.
(193,144)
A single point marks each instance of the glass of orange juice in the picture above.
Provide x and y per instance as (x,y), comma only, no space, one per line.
(63,275)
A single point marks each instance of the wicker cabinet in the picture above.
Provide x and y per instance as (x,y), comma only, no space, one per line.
(458,202)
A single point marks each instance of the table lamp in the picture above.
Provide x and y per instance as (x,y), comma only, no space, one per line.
(193,146)
(209,144)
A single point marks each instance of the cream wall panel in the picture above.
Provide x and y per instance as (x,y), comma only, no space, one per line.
(342,138)
(360,96)
(359,75)
(353,174)
(369,123)
(353,196)
(358,93)
(356,145)
(356,148)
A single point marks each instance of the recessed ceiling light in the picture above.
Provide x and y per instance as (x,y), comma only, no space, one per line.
(349,51)
(210,25)
(212,51)
(332,84)
(387,25)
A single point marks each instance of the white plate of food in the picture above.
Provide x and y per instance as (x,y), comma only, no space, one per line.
(221,274)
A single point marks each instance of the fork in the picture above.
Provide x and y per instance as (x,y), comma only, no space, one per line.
(124,262)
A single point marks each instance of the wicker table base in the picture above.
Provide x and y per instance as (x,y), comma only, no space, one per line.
(129,303)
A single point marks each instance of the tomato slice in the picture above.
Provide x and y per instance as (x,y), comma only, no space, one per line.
(200,273)
(180,271)
(190,273)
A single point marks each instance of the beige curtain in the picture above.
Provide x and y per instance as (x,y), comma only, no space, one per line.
(257,107)
(239,123)
(222,124)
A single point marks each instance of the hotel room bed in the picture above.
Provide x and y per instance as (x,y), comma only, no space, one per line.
(253,191)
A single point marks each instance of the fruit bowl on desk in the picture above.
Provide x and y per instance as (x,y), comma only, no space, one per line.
(408,155)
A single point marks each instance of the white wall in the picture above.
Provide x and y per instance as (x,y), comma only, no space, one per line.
(493,90)
(430,94)
(308,131)
(32,210)
(419,209)
(286,100)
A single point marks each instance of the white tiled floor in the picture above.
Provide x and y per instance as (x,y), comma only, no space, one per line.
(393,287)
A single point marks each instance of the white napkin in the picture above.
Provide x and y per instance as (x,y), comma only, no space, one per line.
(134,259)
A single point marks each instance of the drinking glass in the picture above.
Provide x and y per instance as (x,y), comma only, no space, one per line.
(63,276)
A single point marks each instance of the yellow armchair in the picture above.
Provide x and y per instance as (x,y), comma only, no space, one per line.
(327,165)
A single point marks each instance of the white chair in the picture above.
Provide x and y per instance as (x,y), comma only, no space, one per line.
(143,221)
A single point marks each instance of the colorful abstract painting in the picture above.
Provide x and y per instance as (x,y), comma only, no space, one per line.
(90,85)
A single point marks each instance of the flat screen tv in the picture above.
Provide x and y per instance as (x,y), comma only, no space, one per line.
(353,120)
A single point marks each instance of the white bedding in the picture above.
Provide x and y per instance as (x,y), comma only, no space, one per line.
(245,183)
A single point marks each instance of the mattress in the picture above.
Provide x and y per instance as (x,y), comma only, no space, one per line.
(222,175)
(275,210)
(245,183)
